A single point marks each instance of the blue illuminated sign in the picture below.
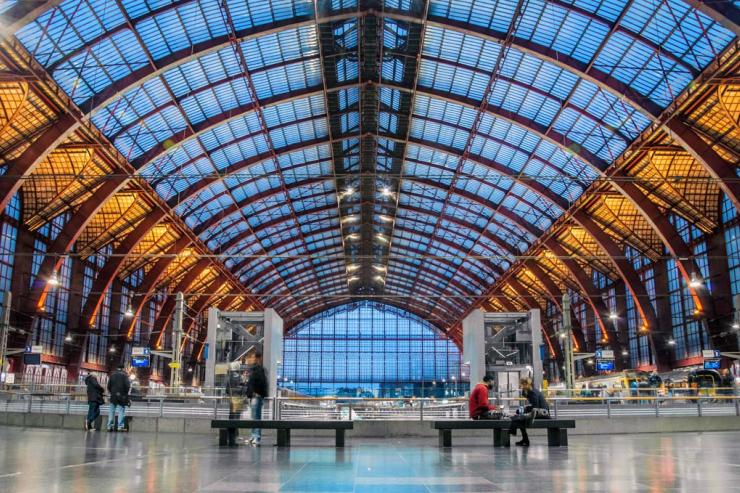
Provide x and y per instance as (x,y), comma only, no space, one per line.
(605,365)
(140,361)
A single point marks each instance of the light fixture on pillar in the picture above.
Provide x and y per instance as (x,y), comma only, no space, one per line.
(53,280)
(112,349)
(736,325)
(129,312)
(695,282)
(613,316)
(625,353)
(68,338)
(671,342)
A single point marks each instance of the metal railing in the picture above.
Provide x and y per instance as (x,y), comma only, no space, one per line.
(190,405)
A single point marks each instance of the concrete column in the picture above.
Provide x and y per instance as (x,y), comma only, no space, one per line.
(272,348)
(536,327)
(474,346)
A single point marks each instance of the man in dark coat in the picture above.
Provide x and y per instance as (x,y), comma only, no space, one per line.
(256,392)
(94,401)
(119,386)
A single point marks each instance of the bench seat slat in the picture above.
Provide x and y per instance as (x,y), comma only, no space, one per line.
(489,424)
(282,425)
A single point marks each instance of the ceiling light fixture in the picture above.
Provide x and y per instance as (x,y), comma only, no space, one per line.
(129,312)
(613,316)
(53,280)
(385,219)
(695,282)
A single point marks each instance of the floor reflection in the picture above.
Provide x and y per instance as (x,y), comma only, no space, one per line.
(34,460)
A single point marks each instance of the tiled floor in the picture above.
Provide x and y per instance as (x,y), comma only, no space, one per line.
(35,460)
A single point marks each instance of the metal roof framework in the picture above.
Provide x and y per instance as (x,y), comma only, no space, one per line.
(408,151)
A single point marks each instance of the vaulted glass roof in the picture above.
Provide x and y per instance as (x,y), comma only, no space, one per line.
(405,150)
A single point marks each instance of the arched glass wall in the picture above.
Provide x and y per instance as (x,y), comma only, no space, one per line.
(369,349)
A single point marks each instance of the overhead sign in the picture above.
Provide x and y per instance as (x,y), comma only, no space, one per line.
(32,359)
(140,351)
(711,353)
(712,364)
(35,349)
(605,365)
(604,354)
(140,361)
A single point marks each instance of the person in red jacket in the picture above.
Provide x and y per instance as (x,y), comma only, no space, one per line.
(479,406)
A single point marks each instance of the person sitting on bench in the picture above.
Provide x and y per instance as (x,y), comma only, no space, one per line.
(536,408)
(479,406)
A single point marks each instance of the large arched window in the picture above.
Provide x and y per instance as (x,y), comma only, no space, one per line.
(368,348)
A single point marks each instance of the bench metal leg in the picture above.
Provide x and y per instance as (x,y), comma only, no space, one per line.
(557,437)
(283,438)
(501,437)
(340,438)
(445,438)
(227,436)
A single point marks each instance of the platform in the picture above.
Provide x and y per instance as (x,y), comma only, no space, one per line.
(38,460)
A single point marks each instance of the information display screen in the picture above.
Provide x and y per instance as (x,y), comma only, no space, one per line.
(31,359)
(712,364)
(605,365)
(140,361)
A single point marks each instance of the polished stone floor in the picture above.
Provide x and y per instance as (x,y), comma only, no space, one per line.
(38,460)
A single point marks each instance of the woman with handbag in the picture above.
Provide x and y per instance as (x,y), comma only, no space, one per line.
(536,408)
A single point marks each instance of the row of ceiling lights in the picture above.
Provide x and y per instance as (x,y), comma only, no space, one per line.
(351,268)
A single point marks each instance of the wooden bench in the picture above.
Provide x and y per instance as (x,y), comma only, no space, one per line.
(227,429)
(557,430)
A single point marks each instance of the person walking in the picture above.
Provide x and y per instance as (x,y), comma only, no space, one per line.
(726,382)
(119,386)
(479,408)
(256,392)
(235,390)
(536,408)
(94,401)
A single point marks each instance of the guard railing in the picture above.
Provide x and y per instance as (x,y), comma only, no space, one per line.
(341,408)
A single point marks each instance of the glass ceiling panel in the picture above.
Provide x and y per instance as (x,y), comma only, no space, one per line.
(58,37)
(197,77)
(688,39)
